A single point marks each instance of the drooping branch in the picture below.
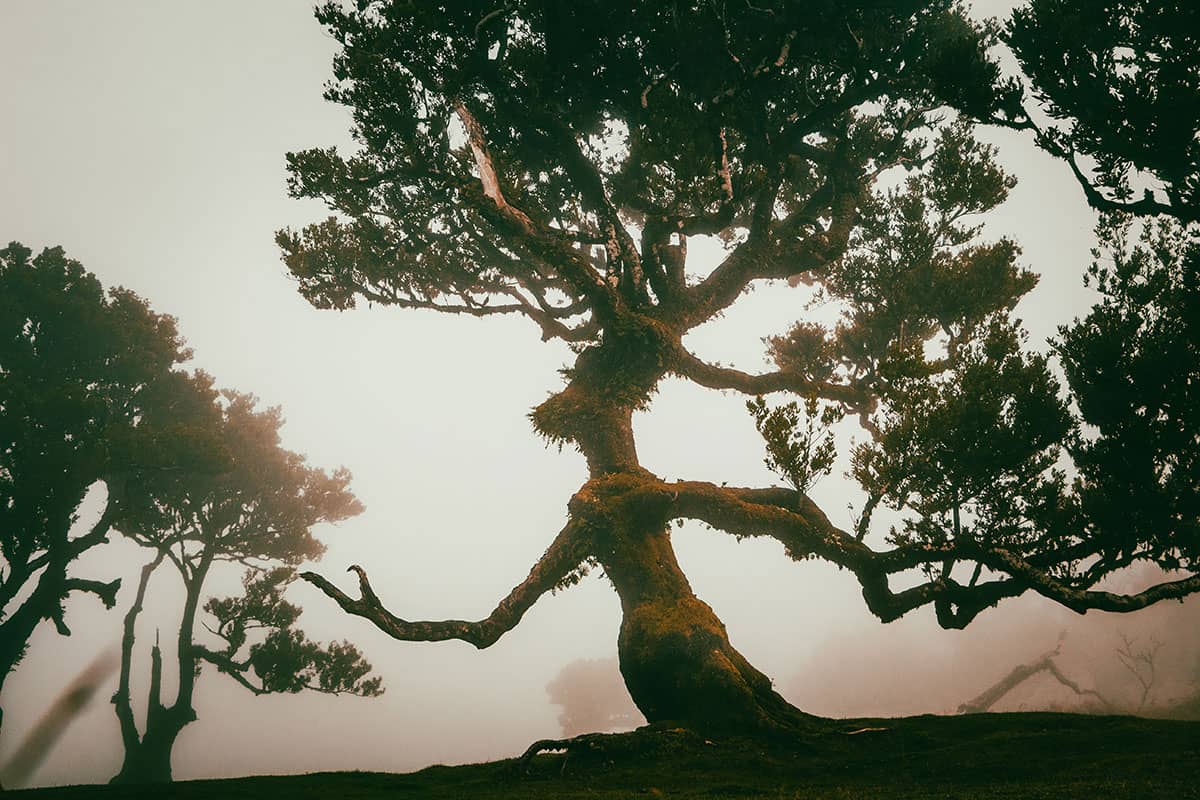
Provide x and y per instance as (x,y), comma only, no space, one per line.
(21,570)
(805,531)
(555,566)
(105,590)
(234,669)
(1145,206)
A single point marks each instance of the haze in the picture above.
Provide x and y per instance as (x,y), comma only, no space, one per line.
(148,140)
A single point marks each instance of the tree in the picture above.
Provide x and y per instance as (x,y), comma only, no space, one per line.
(1124,98)
(259,512)
(79,369)
(530,159)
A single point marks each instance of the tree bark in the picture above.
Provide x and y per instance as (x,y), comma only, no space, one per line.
(1021,673)
(675,654)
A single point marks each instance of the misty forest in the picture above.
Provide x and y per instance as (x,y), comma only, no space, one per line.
(868,330)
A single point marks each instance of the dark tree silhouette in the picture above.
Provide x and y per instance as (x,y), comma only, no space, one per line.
(592,698)
(259,512)
(79,369)
(554,160)
(1119,80)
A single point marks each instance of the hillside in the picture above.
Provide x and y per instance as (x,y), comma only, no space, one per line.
(1027,755)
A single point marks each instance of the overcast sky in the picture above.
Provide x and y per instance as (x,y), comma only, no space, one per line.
(148,140)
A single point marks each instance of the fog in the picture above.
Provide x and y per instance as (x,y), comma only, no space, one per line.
(148,140)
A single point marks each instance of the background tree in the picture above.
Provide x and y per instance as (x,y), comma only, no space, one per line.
(258,513)
(79,369)
(530,159)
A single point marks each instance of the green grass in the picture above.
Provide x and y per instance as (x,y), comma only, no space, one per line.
(994,756)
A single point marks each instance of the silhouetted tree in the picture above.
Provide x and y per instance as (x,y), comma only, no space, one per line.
(1119,80)
(259,513)
(553,160)
(79,369)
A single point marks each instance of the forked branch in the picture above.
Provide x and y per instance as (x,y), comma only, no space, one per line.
(551,570)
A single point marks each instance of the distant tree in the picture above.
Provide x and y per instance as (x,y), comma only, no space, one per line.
(258,513)
(80,367)
(552,161)
(592,697)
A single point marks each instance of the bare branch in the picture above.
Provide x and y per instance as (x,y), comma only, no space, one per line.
(483,161)
(1022,673)
(234,669)
(556,564)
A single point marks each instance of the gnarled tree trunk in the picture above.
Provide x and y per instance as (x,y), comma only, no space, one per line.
(675,654)
(148,754)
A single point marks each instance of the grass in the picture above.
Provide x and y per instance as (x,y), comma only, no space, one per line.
(994,756)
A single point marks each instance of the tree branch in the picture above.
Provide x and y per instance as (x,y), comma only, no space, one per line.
(714,377)
(805,531)
(556,564)
(553,246)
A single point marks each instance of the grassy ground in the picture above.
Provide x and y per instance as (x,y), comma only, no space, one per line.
(994,756)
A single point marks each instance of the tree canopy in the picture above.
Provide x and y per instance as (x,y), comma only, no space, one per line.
(553,162)
(258,512)
(1123,98)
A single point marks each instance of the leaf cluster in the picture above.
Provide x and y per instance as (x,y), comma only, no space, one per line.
(261,639)
(970,450)
(1133,365)
(1125,92)
(260,507)
(799,439)
(667,117)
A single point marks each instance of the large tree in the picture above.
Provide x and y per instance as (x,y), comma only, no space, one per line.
(553,161)
(257,512)
(79,369)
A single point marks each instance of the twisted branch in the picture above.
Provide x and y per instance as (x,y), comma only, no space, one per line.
(565,553)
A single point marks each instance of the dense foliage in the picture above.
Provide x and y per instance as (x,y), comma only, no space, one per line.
(257,512)
(80,369)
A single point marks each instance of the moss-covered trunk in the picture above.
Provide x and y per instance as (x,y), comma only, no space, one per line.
(675,654)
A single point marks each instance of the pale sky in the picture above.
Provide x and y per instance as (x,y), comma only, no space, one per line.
(148,140)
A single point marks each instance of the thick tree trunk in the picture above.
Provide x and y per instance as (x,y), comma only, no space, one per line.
(148,756)
(675,654)
(149,761)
